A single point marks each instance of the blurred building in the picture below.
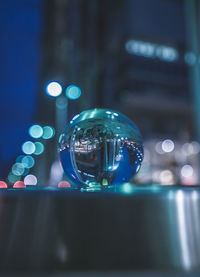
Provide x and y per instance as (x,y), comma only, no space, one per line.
(129,55)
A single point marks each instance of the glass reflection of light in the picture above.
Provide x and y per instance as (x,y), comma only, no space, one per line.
(56,173)
(127,188)
(196,226)
(75,117)
(182,214)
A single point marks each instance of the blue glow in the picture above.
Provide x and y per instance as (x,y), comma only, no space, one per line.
(18,169)
(54,89)
(48,132)
(73,92)
(28,147)
(13,178)
(39,148)
(35,131)
(28,161)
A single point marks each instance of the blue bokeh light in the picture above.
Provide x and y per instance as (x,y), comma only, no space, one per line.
(73,92)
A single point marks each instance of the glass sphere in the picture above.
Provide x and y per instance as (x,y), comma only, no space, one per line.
(100,148)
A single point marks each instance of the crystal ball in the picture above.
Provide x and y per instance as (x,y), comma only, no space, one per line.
(100,147)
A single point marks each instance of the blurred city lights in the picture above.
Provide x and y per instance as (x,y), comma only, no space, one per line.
(64,184)
(54,89)
(167,53)
(39,148)
(166,177)
(190,58)
(35,131)
(13,178)
(187,171)
(73,92)
(19,158)
(195,195)
(158,148)
(196,147)
(48,132)
(28,161)
(30,180)
(3,185)
(28,147)
(19,184)
(152,50)
(168,145)
(18,169)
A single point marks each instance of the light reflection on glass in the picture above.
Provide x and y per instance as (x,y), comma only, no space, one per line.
(182,214)
(93,150)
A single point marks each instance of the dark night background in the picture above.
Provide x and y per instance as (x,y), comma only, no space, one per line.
(84,42)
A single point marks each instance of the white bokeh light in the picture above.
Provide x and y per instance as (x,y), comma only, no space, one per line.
(54,89)
(30,180)
(187,171)
(167,145)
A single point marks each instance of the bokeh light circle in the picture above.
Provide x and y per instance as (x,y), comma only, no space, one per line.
(54,89)
(28,147)
(48,132)
(13,178)
(35,131)
(18,169)
(3,185)
(187,171)
(168,145)
(19,158)
(39,148)
(73,92)
(30,180)
(64,184)
(28,161)
(19,184)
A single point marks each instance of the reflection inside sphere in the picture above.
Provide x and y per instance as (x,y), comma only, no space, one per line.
(100,147)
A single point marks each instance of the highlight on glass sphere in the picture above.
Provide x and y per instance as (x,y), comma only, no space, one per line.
(100,148)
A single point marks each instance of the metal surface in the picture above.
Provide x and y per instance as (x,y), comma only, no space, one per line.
(149,229)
